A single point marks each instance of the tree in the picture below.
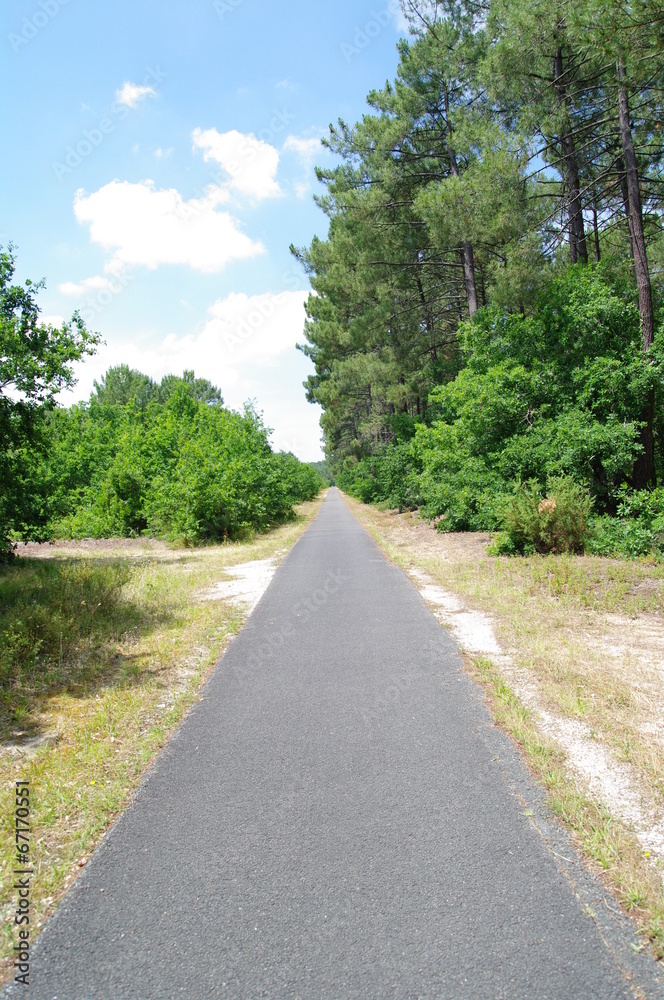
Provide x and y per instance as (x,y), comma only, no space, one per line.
(120,384)
(35,364)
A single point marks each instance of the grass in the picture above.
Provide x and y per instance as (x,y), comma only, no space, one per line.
(587,634)
(103,648)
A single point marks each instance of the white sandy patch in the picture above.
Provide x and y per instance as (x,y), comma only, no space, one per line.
(642,640)
(249,583)
(612,783)
(473,630)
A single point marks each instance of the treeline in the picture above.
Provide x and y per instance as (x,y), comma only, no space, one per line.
(165,458)
(487,305)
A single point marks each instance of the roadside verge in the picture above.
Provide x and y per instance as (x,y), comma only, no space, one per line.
(570,653)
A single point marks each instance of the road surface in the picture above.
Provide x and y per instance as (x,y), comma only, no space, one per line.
(337,818)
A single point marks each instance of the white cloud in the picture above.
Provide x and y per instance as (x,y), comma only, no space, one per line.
(247,348)
(147,226)
(55,321)
(255,329)
(130,94)
(251,163)
(307,149)
(97,283)
(163,154)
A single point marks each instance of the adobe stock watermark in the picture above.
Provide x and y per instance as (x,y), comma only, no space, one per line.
(96,302)
(265,308)
(302,611)
(36,22)
(92,138)
(365,34)
(224,7)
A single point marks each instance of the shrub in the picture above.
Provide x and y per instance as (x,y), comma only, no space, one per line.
(557,522)
(182,468)
(637,530)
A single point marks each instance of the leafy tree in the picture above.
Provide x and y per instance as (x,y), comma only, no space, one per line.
(122,384)
(35,364)
(170,465)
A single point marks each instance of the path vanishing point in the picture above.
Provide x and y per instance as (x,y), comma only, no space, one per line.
(337,817)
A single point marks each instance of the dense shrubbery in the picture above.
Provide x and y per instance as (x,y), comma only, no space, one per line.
(166,460)
(557,522)
(637,529)
(552,399)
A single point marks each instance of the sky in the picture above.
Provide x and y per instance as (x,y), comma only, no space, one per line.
(160,164)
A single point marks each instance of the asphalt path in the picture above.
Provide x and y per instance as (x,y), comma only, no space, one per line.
(337,817)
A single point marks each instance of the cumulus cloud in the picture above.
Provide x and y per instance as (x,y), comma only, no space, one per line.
(97,283)
(251,163)
(130,94)
(307,149)
(147,226)
(255,329)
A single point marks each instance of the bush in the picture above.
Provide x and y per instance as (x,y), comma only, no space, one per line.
(637,530)
(556,394)
(557,522)
(181,467)
(390,475)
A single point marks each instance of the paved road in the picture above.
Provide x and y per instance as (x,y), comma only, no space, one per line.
(336,818)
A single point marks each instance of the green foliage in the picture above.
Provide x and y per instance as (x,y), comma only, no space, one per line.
(557,522)
(637,530)
(122,384)
(557,393)
(35,364)
(324,471)
(553,397)
(185,468)
(390,476)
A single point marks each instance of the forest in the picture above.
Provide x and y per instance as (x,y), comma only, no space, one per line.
(486,315)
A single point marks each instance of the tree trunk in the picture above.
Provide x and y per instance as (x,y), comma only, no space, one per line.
(644,467)
(577,236)
(595,226)
(467,258)
(482,291)
(622,174)
(469,277)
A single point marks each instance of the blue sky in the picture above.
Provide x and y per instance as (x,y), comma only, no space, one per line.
(160,164)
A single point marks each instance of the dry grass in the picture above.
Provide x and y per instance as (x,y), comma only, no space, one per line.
(583,654)
(86,737)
